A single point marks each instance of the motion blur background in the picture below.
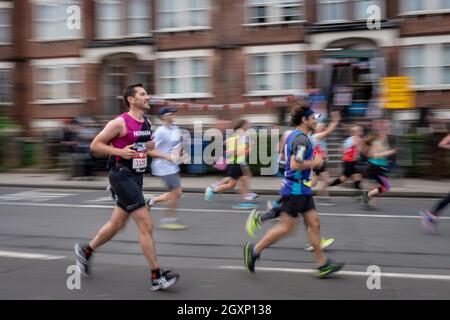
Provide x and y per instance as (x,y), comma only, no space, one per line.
(64,64)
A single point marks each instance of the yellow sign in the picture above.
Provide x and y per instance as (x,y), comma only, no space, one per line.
(398,93)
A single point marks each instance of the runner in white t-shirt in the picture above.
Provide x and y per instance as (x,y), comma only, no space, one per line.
(168,140)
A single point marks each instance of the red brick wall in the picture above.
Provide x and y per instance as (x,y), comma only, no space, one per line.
(436,97)
(426,25)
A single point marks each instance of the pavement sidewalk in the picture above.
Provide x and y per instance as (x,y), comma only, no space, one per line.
(401,187)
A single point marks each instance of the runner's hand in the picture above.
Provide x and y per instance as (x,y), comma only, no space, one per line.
(150,145)
(335,116)
(317,162)
(128,153)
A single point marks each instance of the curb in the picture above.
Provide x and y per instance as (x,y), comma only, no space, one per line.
(333,193)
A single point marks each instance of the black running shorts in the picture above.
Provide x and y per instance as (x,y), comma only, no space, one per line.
(295,204)
(379,174)
(323,168)
(350,168)
(234,171)
(127,186)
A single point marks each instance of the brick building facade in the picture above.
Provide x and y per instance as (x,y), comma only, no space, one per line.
(213,52)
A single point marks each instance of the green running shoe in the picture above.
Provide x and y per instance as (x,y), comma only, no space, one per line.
(253,223)
(324,243)
(330,267)
(250,257)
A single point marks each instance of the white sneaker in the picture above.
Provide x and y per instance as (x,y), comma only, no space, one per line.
(165,281)
(250,196)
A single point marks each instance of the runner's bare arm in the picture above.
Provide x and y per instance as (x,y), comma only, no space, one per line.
(158,154)
(445,143)
(317,162)
(335,118)
(101,145)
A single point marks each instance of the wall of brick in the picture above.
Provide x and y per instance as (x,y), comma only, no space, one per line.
(425,25)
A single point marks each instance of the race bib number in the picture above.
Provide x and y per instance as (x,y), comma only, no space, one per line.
(140,162)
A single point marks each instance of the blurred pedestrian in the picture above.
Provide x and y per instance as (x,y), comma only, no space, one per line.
(378,153)
(168,140)
(429,218)
(255,219)
(127,139)
(352,151)
(68,144)
(237,150)
(296,194)
(321,148)
(83,160)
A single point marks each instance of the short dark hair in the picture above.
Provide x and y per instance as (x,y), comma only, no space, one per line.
(239,124)
(298,113)
(130,91)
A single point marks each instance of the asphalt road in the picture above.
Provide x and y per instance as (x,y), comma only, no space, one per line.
(38,229)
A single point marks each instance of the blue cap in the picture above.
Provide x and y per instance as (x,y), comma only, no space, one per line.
(166,110)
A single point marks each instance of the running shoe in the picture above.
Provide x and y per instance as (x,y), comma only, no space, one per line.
(250,196)
(165,281)
(111,192)
(250,257)
(324,243)
(149,202)
(429,222)
(82,259)
(244,206)
(330,267)
(172,226)
(209,194)
(253,223)
(365,198)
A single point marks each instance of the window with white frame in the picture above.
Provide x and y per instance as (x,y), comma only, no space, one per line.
(183,14)
(117,19)
(332,10)
(445,4)
(414,64)
(275,73)
(5,86)
(51,20)
(183,77)
(274,11)
(420,5)
(413,5)
(59,82)
(361,6)
(138,17)
(5,25)
(445,57)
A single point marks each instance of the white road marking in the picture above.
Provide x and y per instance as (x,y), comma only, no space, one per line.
(26,255)
(101,199)
(351,273)
(200,210)
(34,196)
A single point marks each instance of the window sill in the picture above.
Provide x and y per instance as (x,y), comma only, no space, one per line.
(423,12)
(122,37)
(59,101)
(183,29)
(327,22)
(5,43)
(277,23)
(428,87)
(56,40)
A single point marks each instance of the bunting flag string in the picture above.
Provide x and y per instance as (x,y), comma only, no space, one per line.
(272,102)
